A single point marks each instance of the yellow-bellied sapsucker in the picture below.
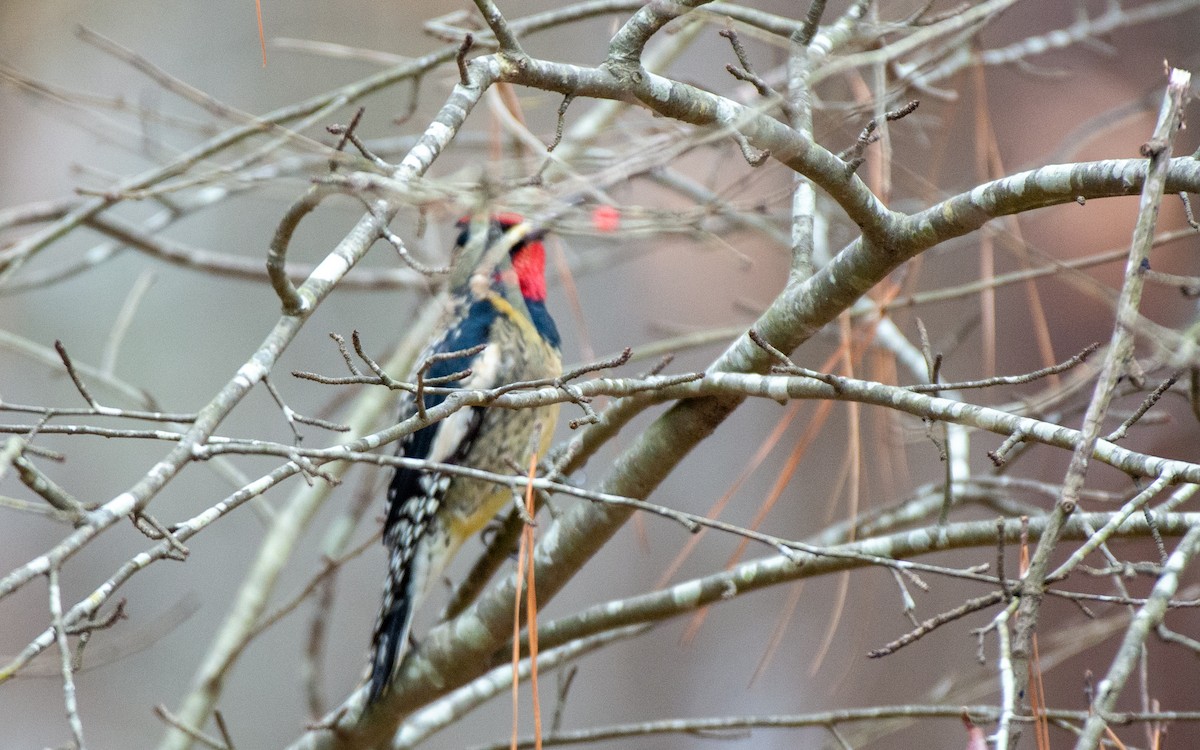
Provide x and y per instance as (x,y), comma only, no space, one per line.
(430,514)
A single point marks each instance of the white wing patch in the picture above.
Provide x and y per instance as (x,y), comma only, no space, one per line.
(454,430)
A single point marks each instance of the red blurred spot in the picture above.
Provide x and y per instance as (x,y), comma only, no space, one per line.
(975,737)
(508,219)
(606,218)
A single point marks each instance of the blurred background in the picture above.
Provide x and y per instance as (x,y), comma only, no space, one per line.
(69,119)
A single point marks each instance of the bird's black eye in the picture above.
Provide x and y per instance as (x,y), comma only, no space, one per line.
(464,227)
(496,229)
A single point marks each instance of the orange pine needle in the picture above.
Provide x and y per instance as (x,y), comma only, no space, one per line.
(516,644)
(531,608)
(1115,740)
(1037,699)
(989,166)
(847,352)
(1037,687)
(714,512)
(262,38)
(854,447)
(525,577)
(780,629)
(987,254)
(781,483)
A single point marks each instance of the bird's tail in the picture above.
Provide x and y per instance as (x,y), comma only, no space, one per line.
(391,630)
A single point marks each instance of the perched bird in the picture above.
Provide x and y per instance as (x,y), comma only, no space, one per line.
(501,304)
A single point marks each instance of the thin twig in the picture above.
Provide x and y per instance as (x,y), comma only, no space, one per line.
(432,360)
(205,739)
(1000,455)
(70,699)
(746,73)
(179,551)
(1187,210)
(791,368)
(167,81)
(933,623)
(223,728)
(1028,377)
(78,381)
(1145,406)
(803,36)
(397,242)
(853,156)
(1000,559)
(341,344)
(346,133)
(49,490)
(561,121)
(328,569)
(288,415)
(504,34)
(120,327)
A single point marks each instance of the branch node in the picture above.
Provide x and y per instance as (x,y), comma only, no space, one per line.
(752,158)
(461,58)
(853,156)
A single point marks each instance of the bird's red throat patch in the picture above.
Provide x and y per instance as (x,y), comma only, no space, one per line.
(530,264)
